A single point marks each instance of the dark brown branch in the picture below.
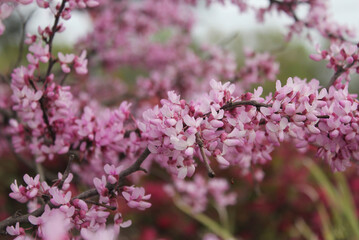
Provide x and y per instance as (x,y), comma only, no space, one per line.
(339,72)
(54,29)
(44,113)
(20,219)
(232,105)
(46,119)
(72,158)
(136,166)
(199,142)
(112,208)
(87,194)
(62,82)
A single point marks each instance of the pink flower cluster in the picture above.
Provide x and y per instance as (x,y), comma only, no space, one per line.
(244,130)
(173,132)
(136,198)
(343,58)
(66,213)
(196,192)
(170,61)
(258,68)
(316,16)
(31,191)
(102,138)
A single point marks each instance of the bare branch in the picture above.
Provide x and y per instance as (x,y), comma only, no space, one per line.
(20,219)
(256,104)
(112,208)
(72,158)
(199,141)
(232,105)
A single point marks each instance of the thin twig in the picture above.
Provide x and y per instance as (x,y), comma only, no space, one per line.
(20,219)
(54,29)
(46,119)
(231,105)
(72,158)
(112,208)
(62,82)
(199,142)
(44,113)
(339,72)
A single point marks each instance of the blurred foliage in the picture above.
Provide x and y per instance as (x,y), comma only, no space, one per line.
(339,220)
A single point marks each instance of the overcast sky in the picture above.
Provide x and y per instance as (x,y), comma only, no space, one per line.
(228,20)
(222,19)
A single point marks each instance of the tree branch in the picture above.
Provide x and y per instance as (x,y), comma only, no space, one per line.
(232,105)
(54,29)
(20,219)
(44,113)
(199,141)
(339,72)
(72,158)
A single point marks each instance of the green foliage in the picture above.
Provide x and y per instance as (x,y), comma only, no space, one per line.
(339,220)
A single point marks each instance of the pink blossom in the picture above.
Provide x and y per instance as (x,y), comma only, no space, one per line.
(80,63)
(64,60)
(218,188)
(15,231)
(136,197)
(101,188)
(40,52)
(42,3)
(56,226)
(112,173)
(24,194)
(104,233)
(59,197)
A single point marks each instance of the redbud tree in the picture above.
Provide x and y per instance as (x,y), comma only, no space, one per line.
(188,110)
